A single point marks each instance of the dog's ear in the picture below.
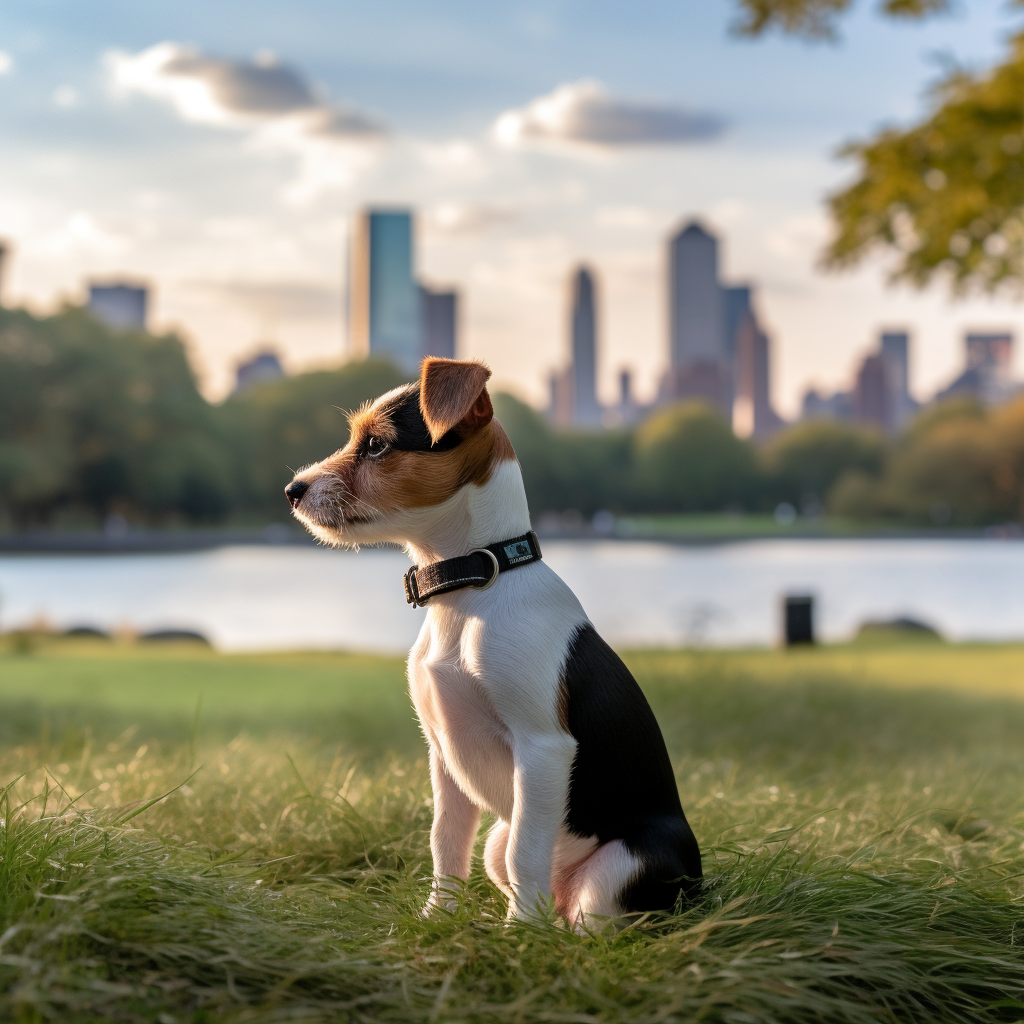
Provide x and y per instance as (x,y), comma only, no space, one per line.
(453,392)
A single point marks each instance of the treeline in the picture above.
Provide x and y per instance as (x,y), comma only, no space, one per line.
(958,464)
(94,421)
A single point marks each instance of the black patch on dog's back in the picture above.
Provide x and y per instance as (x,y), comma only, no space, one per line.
(411,429)
(622,784)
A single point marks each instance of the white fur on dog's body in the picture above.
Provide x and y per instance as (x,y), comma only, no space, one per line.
(484,677)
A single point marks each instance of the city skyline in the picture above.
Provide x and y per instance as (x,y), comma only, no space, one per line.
(221,154)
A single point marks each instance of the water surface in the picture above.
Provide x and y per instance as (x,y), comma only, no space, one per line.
(637,594)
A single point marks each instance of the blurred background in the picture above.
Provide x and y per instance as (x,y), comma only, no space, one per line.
(747,273)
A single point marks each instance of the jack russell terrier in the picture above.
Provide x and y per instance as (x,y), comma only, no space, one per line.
(528,713)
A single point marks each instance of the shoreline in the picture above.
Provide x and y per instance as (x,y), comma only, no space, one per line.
(50,542)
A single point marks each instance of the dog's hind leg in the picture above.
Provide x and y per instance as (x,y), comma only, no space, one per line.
(597,884)
(494,856)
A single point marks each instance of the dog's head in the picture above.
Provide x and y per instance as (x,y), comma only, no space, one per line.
(408,451)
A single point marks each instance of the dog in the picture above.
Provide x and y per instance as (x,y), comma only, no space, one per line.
(529,715)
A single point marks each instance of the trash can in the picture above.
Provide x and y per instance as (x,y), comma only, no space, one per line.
(799,619)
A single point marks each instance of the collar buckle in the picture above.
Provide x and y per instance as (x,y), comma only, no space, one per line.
(497,566)
(412,595)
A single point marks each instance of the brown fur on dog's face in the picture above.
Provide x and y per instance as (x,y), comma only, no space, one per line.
(395,462)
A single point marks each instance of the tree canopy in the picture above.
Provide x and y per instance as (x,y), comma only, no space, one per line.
(816,19)
(945,197)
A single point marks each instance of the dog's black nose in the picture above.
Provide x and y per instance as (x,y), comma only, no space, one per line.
(294,492)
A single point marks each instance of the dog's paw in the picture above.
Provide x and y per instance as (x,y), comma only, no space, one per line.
(439,901)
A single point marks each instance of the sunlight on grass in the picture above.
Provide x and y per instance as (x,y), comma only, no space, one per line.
(860,813)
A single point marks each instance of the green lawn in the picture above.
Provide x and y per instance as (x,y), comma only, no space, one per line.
(861,810)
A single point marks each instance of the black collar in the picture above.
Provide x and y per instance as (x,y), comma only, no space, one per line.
(479,569)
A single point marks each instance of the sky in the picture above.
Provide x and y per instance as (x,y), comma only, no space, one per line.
(219,150)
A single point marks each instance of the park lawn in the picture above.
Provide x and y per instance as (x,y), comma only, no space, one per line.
(861,811)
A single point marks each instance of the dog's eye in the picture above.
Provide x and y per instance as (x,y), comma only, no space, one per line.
(375,447)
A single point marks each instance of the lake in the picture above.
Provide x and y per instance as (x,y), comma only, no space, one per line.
(638,594)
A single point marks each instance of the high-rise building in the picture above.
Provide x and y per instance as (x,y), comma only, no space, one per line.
(384,300)
(895,352)
(574,390)
(753,415)
(438,322)
(119,305)
(699,359)
(737,306)
(695,297)
(871,393)
(988,376)
(260,368)
(586,409)
(4,254)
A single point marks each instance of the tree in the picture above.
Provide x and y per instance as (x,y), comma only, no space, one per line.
(944,197)
(689,460)
(98,421)
(957,465)
(807,460)
(815,19)
(585,471)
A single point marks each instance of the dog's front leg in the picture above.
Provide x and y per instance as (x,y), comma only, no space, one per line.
(541,793)
(456,820)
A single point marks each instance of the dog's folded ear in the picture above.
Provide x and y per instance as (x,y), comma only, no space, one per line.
(454,393)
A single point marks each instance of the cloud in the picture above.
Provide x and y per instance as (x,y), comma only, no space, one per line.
(85,234)
(468,219)
(584,114)
(271,101)
(66,98)
(6,63)
(297,299)
(235,93)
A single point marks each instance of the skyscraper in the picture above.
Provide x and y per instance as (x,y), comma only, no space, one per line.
(699,355)
(988,376)
(895,353)
(438,322)
(737,306)
(586,410)
(871,392)
(695,297)
(119,305)
(384,300)
(753,415)
(4,252)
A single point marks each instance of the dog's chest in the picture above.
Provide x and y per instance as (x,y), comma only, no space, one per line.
(459,720)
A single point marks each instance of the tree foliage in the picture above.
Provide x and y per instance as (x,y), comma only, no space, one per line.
(805,461)
(957,465)
(816,19)
(105,421)
(689,460)
(945,197)
(94,421)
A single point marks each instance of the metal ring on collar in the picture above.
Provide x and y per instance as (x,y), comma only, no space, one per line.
(497,568)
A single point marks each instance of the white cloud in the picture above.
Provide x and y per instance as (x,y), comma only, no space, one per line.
(468,218)
(633,218)
(85,234)
(585,114)
(66,98)
(274,298)
(6,63)
(262,96)
(215,90)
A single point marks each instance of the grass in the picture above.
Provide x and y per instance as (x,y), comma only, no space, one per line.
(861,810)
(712,526)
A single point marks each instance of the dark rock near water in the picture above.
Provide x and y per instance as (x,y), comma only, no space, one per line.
(171,635)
